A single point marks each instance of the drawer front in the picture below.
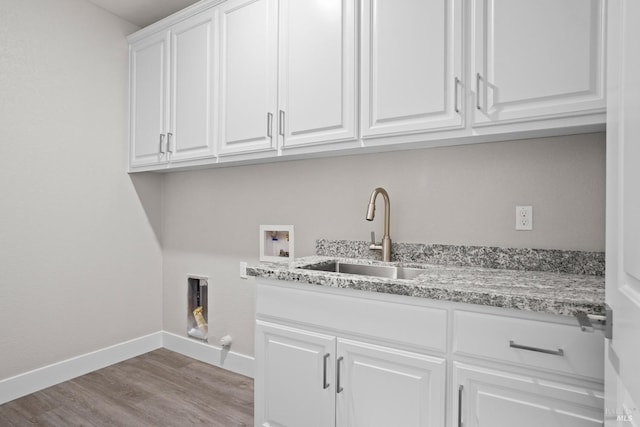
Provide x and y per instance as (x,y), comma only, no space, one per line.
(391,321)
(539,344)
(494,398)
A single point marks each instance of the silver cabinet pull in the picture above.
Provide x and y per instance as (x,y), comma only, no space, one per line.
(478,106)
(338,386)
(170,143)
(455,95)
(325,384)
(460,405)
(269,125)
(558,352)
(162,150)
(281,123)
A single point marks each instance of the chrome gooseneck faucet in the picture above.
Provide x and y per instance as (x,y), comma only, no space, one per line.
(385,246)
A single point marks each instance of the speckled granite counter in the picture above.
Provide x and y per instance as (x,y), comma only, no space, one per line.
(552,260)
(539,291)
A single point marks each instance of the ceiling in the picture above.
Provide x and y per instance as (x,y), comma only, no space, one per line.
(142,12)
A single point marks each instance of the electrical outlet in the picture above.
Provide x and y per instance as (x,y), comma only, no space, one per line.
(243,270)
(524,217)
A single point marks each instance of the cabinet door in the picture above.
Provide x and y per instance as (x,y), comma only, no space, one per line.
(537,59)
(248,76)
(294,377)
(411,66)
(317,86)
(491,398)
(622,362)
(148,97)
(192,59)
(380,386)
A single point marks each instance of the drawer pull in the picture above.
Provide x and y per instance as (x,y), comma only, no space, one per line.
(558,352)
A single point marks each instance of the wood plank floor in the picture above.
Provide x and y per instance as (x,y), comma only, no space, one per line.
(160,388)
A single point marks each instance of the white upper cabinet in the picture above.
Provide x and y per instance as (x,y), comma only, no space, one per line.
(317,64)
(171,94)
(242,80)
(192,89)
(148,94)
(248,76)
(537,59)
(287,74)
(411,78)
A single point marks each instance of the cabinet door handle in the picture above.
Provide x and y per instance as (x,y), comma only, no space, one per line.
(460,405)
(325,384)
(478,106)
(281,123)
(455,95)
(558,352)
(269,125)
(338,385)
(170,143)
(162,150)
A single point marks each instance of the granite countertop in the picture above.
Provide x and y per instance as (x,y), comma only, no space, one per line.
(538,291)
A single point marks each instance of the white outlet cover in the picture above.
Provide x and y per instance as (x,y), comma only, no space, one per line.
(524,217)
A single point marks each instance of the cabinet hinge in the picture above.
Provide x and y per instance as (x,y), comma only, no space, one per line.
(586,321)
(608,326)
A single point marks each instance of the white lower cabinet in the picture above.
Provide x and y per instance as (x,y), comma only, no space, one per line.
(548,373)
(493,398)
(296,377)
(339,357)
(381,387)
(309,379)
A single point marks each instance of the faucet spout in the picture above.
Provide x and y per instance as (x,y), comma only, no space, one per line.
(371,212)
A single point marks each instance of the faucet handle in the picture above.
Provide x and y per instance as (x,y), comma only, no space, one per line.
(374,246)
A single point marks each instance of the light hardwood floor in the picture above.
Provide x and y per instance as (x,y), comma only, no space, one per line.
(160,388)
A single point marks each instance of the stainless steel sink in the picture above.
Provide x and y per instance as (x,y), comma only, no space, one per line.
(390,272)
(408,273)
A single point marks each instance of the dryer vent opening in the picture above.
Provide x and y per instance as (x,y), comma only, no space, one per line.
(197,308)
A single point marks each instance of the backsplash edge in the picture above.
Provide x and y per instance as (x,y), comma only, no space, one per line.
(548,260)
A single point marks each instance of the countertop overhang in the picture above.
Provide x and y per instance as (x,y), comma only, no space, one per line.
(536,291)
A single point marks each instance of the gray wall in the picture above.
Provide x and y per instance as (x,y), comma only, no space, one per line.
(458,195)
(80,263)
(91,257)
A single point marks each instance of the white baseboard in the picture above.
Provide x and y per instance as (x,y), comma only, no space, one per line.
(234,362)
(38,379)
(47,376)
